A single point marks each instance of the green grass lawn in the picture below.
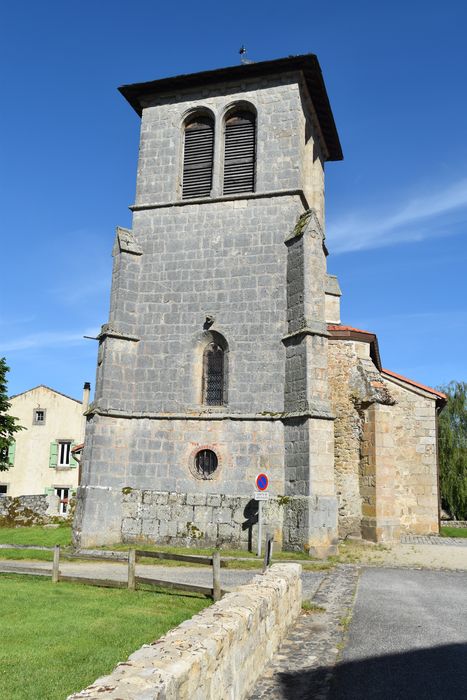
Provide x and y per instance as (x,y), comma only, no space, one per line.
(36,535)
(58,638)
(252,560)
(62,535)
(453,531)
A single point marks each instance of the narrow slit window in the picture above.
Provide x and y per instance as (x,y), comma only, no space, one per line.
(240,153)
(198,157)
(213,375)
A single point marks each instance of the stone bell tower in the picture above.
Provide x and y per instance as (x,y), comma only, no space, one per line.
(213,364)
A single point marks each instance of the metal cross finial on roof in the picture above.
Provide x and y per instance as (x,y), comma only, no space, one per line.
(243,58)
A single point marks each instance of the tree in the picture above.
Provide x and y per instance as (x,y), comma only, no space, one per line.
(8,424)
(453,451)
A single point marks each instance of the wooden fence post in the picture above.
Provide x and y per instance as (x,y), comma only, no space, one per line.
(131,569)
(216,575)
(56,564)
(268,551)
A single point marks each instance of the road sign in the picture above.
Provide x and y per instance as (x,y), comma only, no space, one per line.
(261,496)
(262,482)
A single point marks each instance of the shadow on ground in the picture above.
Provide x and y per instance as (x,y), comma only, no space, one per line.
(420,674)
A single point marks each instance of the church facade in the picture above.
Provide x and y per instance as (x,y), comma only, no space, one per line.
(224,354)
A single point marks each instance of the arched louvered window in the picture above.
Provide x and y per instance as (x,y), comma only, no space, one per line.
(198,157)
(213,375)
(240,153)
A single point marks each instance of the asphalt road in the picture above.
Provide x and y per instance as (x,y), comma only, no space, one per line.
(407,639)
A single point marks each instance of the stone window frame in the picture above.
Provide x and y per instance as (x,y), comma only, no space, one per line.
(192,463)
(5,486)
(35,411)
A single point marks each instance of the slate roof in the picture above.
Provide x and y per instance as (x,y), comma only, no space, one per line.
(138,94)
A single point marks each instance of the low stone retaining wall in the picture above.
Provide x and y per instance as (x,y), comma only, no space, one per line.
(219,653)
(36,509)
(454,523)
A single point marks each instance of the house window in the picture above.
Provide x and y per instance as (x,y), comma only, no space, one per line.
(3,489)
(239,152)
(7,454)
(63,492)
(64,454)
(38,417)
(205,464)
(213,375)
(198,157)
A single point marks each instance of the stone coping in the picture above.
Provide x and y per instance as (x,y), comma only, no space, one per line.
(219,653)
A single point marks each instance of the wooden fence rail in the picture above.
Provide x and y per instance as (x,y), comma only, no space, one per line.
(215,591)
(27,546)
(215,561)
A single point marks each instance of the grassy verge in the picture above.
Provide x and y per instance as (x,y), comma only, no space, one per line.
(453,531)
(242,559)
(35,535)
(56,639)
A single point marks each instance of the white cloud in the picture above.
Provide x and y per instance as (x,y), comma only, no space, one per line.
(427,216)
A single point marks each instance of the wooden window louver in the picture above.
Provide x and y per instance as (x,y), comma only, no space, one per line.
(240,153)
(198,157)
(213,375)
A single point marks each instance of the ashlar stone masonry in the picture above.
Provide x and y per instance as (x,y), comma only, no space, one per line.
(218,360)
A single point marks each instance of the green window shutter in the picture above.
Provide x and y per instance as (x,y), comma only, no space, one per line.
(53,457)
(73,462)
(49,490)
(11,453)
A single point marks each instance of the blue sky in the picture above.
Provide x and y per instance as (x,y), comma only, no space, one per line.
(396,206)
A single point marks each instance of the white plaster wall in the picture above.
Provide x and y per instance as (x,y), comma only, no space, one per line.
(31,473)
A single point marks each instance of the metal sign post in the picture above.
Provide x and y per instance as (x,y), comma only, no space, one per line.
(261,483)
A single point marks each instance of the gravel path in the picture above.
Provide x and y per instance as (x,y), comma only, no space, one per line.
(439,541)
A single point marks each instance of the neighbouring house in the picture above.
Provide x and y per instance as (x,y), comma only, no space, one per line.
(41,457)
(224,354)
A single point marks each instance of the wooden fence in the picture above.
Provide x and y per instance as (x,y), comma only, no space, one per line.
(215,591)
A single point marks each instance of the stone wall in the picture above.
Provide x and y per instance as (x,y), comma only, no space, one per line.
(410,435)
(347,436)
(28,510)
(385,448)
(197,519)
(219,653)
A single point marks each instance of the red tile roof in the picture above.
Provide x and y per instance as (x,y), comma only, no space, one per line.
(349,333)
(348,328)
(430,390)
(368,336)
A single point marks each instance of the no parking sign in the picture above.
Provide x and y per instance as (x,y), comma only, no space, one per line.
(262,482)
